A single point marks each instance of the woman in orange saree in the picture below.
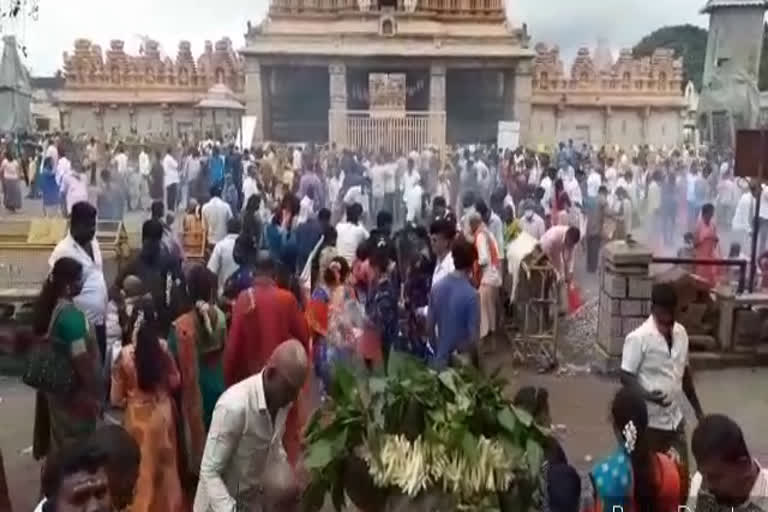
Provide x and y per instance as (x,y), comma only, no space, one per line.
(706,243)
(143,379)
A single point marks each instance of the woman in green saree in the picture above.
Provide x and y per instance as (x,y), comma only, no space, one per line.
(61,419)
(197,341)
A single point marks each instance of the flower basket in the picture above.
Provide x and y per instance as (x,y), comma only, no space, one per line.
(417,439)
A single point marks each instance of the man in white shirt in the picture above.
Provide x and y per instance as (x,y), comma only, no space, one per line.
(81,245)
(216,213)
(611,175)
(442,233)
(297,159)
(547,183)
(743,217)
(390,185)
(120,161)
(378,189)
(594,180)
(171,180)
(533,224)
(654,362)
(725,204)
(250,185)
(350,234)
(413,202)
(411,176)
(728,478)
(52,152)
(63,166)
(246,433)
(222,260)
(74,188)
(92,156)
(145,166)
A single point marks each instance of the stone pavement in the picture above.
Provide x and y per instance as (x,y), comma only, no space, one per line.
(579,402)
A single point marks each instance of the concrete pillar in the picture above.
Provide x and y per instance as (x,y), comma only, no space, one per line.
(437,121)
(337,117)
(607,126)
(625,293)
(645,115)
(254,101)
(522,99)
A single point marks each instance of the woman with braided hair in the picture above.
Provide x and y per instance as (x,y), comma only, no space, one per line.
(143,379)
(634,477)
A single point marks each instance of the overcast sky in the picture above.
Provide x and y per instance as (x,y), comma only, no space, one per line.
(568,23)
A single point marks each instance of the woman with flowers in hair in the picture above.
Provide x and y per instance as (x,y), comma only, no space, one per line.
(330,317)
(634,478)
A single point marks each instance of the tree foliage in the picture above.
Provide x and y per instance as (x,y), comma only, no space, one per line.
(690,42)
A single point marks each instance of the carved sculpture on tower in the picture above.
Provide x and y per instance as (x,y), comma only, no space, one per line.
(659,74)
(87,68)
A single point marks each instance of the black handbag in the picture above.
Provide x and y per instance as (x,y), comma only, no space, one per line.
(50,370)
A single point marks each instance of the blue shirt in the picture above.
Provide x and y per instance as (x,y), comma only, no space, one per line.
(454,310)
(216,166)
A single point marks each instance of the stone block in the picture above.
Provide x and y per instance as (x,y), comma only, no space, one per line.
(639,288)
(606,363)
(628,270)
(615,285)
(612,345)
(630,324)
(620,252)
(632,307)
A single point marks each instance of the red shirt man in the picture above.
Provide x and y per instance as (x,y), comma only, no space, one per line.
(263,317)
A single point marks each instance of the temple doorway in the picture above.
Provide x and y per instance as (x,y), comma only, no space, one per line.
(299,99)
(475,104)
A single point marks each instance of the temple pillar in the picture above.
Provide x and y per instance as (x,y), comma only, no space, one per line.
(254,101)
(607,126)
(645,117)
(523,95)
(337,117)
(437,120)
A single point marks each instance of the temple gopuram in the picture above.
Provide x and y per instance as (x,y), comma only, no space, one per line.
(115,94)
(626,102)
(396,74)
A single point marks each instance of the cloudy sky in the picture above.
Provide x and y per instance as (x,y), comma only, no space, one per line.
(569,23)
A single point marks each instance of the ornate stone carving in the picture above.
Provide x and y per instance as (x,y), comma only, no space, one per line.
(660,74)
(87,68)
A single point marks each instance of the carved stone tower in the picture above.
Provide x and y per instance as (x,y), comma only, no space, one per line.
(735,36)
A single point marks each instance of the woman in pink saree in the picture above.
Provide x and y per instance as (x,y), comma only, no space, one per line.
(706,244)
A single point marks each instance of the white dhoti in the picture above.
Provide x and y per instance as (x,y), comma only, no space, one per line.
(489,300)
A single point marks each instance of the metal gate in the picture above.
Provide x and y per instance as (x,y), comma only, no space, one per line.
(394,132)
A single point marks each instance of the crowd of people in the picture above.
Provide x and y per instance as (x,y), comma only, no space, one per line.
(216,338)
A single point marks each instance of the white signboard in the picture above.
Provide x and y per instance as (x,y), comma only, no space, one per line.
(508,135)
(245,134)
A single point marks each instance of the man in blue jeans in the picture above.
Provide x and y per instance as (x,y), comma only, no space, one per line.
(453,320)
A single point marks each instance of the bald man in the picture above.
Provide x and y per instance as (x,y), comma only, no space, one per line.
(245,438)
